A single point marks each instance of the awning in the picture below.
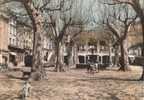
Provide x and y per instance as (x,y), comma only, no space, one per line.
(13,53)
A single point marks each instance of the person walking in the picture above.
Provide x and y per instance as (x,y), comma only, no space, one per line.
(28,64)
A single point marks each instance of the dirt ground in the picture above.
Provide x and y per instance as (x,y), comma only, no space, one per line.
(77,85)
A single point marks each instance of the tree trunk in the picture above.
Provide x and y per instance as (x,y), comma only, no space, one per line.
(124,56)
(59,62)
(116,57)
(37,68)
(69,54)
(110,56)
(142,76)
(37,23)
(76,60)
(142,23)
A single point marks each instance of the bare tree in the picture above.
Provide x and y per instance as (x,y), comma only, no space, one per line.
(58,37)
(138,7)
(118,20)
(60,23)
(72,33)
(35,9)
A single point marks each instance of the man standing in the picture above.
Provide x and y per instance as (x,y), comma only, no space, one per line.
(28,64)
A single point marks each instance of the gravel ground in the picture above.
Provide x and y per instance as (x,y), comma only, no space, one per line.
(77,85)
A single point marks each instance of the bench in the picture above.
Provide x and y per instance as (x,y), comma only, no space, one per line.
(26,71)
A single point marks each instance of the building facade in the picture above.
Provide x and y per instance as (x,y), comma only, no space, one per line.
(15,40)
(22,40)
(135,40)
(4,56)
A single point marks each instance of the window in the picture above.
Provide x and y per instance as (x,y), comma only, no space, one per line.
(26,43)
(12,29)
(10,40)
(49,45)
(13,42)
(12,26)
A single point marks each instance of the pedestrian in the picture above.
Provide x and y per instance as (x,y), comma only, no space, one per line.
(89,66)
(28,64)
(28,60)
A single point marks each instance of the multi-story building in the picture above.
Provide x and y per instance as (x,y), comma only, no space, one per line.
(24,40)
(96,47)
(24,37)
(86,45)
(3,38)
(12,39)
(12,32)
(15,39)
(48,47)
(135,40)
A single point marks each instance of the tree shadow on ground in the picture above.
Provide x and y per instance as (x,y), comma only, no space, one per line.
(16,77)
(8,97)
(4,96)
(107,78)
(113,97)
(100,69)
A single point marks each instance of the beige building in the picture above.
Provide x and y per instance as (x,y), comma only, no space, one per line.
(22,38)
(135,40)
(15,39)
(3,38)
(135,35)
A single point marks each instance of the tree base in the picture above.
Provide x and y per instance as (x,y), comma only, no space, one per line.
(142,78)
(59,70)
(124,69)
(36,76)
